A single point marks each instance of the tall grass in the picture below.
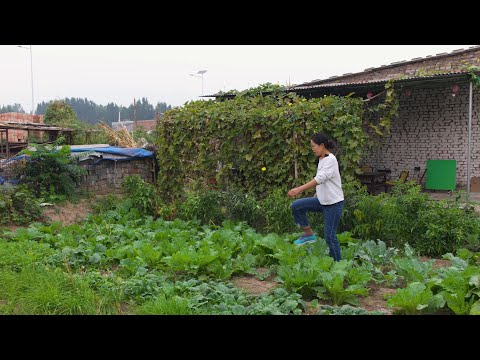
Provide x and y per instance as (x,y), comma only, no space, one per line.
(40,292)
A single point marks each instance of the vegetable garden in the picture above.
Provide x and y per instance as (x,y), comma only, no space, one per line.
(178,246)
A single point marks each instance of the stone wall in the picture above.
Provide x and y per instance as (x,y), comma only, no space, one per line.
(107,176)
(432,124)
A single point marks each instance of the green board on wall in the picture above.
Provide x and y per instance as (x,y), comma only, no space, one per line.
(441,175)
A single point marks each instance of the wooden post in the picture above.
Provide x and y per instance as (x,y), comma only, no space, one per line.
(295,163)
(8,147)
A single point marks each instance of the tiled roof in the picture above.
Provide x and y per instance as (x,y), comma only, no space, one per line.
(381,82)
(328,83)
(327,87)
(396,63)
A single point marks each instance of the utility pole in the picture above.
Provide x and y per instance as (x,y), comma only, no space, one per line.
(201,72)
(134,115)
(31,74)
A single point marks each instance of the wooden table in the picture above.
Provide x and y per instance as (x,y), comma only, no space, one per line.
(374,181)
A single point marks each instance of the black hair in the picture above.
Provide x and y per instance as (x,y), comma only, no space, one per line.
(320,138)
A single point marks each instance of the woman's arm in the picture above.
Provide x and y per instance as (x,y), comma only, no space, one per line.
(327,171)
(295,191)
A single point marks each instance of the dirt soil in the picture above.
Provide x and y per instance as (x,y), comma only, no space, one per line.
(68,213)
(438,262)
(253,285)
(375,301)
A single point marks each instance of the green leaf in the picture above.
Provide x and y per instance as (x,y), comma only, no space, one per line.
(413,298)
(475,281)
(475,310)
(95,258)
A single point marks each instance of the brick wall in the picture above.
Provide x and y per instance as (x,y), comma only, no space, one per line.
(146,124)
(107,176)
(19,135)
(432,124)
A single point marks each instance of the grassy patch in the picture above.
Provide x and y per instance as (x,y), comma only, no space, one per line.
(35,292)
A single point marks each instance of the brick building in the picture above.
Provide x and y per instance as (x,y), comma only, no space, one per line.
(434,113)
(15,136)
(147,125)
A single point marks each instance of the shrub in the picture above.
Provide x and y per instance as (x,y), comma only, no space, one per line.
(140,194)
(406,215)
(52,171)
(18,205)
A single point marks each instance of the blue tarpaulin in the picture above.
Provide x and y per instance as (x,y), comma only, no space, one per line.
(135,153)
(14,158)
(117,154)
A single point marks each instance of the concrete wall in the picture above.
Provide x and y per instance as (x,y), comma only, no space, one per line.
(107,176)
(432,124)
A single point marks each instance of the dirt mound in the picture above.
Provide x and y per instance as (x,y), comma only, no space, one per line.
(438,262)
(254,286)
(376,301)
(68,213)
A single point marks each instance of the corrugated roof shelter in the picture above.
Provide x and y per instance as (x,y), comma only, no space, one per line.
(53,132)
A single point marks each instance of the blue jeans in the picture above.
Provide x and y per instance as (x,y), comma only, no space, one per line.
(331,218)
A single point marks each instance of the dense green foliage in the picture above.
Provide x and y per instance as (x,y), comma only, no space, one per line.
(232,141)
(58,113)
(18,205)
(51,171)
(409,216)
(140,195)
(405,215)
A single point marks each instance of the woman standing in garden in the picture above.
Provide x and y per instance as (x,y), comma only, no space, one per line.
(328,198)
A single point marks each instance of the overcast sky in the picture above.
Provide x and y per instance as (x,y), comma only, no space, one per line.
(161,73)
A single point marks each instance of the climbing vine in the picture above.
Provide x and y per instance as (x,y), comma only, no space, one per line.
(472,70)
(383,112)
(260,142)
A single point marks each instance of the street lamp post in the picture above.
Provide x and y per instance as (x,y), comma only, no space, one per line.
(201,72)
(31,73)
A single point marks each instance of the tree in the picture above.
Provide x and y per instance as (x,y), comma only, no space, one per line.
(89,112)
(58,113)
(162,107)
(12,108)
